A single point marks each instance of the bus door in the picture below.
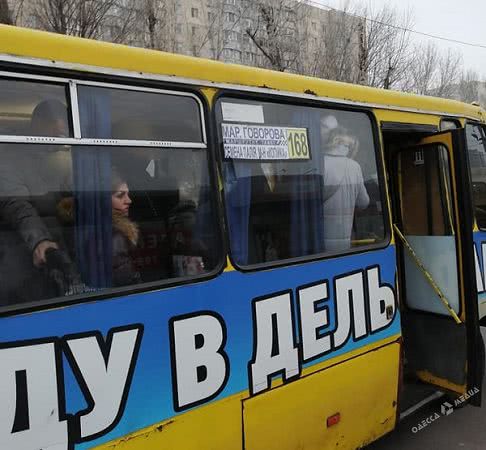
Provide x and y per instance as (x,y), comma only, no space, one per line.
(432,226)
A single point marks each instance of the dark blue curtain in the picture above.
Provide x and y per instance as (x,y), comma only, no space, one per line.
(237,185)
(92,191)
(205,234)
(306,209)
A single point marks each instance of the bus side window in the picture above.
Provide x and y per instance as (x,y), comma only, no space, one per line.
(169,186)
(77,218)
(449,124)
(476,148)
(32,178)
(303,181)
(18,102)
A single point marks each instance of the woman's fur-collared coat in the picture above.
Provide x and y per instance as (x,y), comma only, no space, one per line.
(125,239)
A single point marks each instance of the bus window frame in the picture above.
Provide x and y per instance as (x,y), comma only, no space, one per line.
(73,109)
(473,206)
(294,100)
(17,138)
(71,84)
(455,121)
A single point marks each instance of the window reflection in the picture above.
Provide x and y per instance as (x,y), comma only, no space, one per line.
(140,215)
(33,109)
(136,115)
(80,219)
(476,146)
(314,192)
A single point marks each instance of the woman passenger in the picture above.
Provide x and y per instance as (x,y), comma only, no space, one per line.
(124,231)
(125,234)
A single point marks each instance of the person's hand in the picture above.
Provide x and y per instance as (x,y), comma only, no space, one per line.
(39,255)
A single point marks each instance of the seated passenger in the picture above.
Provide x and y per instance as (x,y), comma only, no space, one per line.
(30,181)
(124,232)
(188,252)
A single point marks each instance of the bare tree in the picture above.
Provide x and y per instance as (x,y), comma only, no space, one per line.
(78,17)
(448,74)
(222,28)
(338,51)
(440,74)
(277,31)
(155,20)
(422,69)
(385,46)
(5,13)
(19,12)
(468,88)
(482,92)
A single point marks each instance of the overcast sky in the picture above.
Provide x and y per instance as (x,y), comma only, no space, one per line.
(463,20)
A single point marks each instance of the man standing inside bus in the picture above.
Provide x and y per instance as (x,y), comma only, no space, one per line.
(29,178)
(344,189)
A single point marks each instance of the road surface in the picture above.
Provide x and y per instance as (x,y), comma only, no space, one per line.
(463,428)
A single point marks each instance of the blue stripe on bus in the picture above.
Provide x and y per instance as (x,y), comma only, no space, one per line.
(230,295)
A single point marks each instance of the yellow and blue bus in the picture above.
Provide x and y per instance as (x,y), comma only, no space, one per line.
(198,255)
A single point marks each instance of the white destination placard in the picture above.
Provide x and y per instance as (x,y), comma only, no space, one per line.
(239,112)
(261,142)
